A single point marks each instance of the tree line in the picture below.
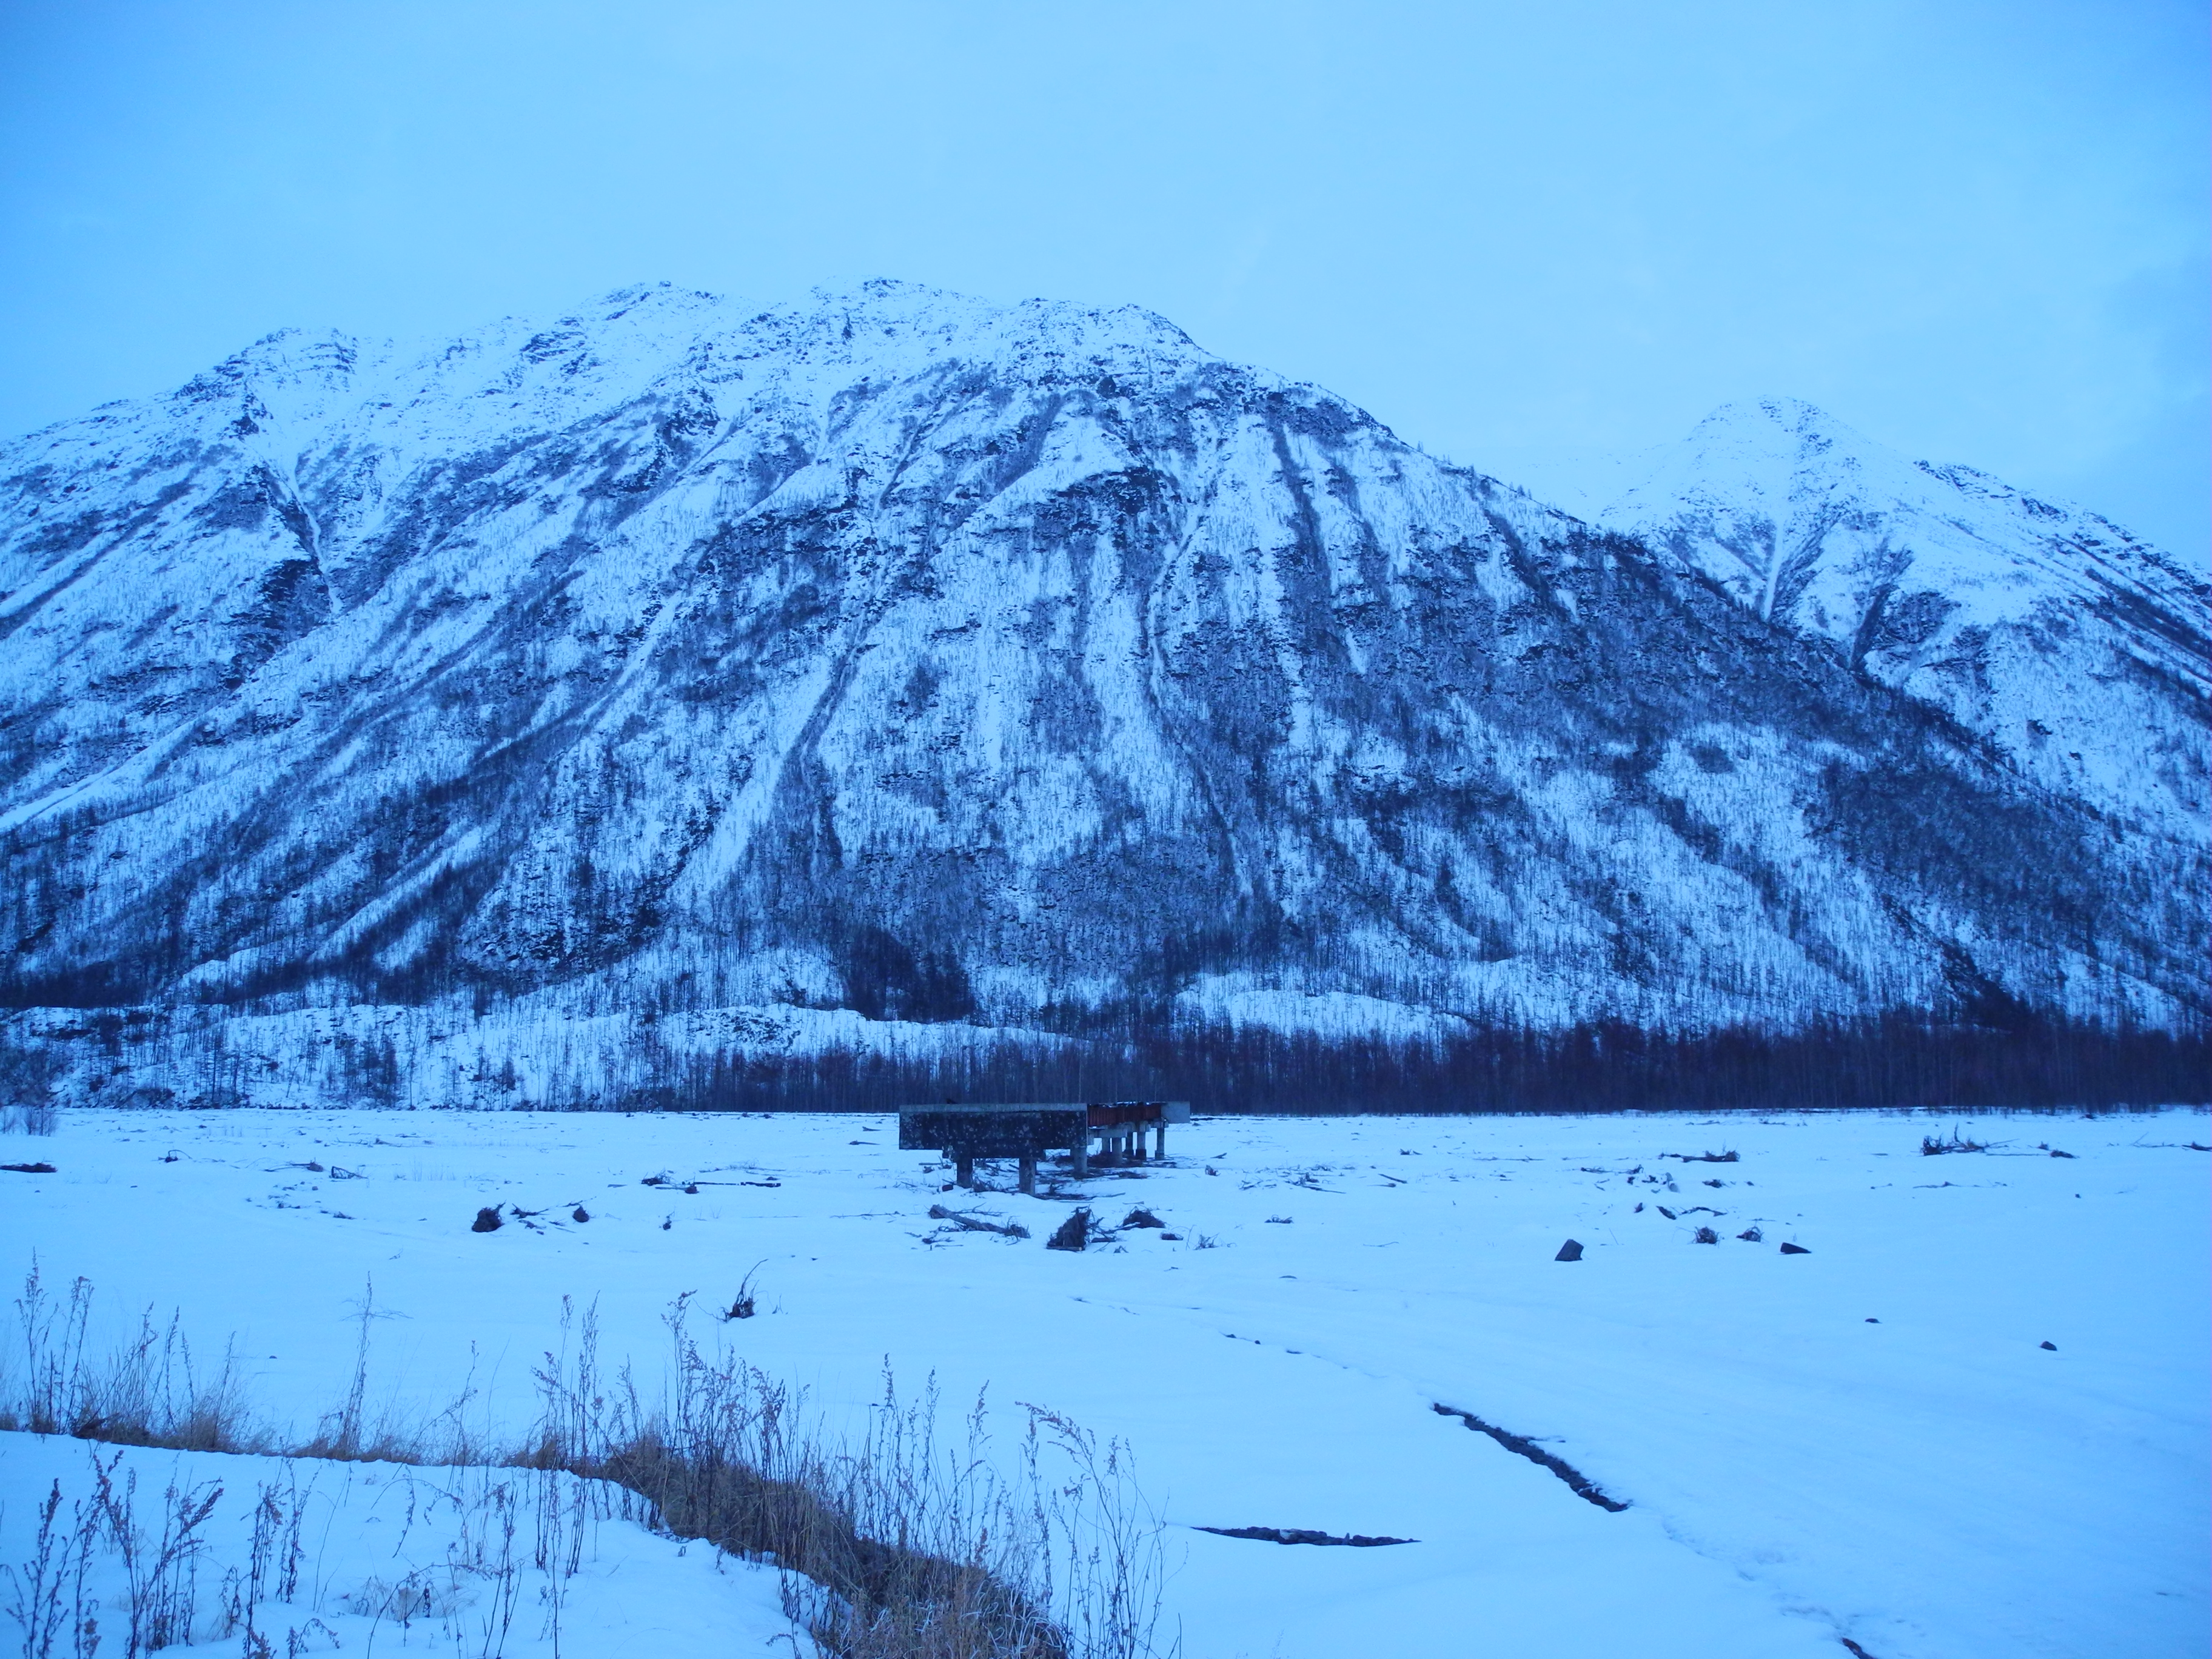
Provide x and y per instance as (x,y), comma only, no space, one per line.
(1896,1060)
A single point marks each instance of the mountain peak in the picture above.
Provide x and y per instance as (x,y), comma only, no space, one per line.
(2041,627)
(1792,416)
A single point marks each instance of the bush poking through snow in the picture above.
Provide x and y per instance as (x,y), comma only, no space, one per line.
(1073,1234)
(1142,1218)
(1705,1236)
(1931,1147)
(742,1305)
(161,1572)
(31,1118)
(35,1602)
(28,1076)
(486,1220)
(1752,1235)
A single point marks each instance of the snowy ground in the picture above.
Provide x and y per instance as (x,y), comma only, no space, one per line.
(460,1561)
(1865,1441)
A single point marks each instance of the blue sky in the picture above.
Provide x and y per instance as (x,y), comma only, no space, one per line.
(1976,231)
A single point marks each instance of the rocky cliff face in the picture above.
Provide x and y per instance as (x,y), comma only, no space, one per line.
(897,667)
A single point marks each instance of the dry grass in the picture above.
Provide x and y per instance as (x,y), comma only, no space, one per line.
(146,1393)
(907,1544)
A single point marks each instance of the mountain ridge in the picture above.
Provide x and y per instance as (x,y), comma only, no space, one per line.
(965,669)
(1951,585)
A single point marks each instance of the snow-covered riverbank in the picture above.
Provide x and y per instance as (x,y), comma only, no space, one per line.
(1867,1440)
(315,1557)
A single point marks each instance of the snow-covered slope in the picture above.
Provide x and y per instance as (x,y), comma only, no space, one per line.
(1021,665)
(2077,651)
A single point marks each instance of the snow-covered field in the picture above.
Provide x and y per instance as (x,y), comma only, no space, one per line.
(1866,1441)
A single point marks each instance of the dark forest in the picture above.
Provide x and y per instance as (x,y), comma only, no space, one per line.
(2018,1060)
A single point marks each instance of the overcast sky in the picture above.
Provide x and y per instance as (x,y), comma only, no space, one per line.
(1974,229)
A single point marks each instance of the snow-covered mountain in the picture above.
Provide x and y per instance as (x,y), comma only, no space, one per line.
(2076,650)
(899,667)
